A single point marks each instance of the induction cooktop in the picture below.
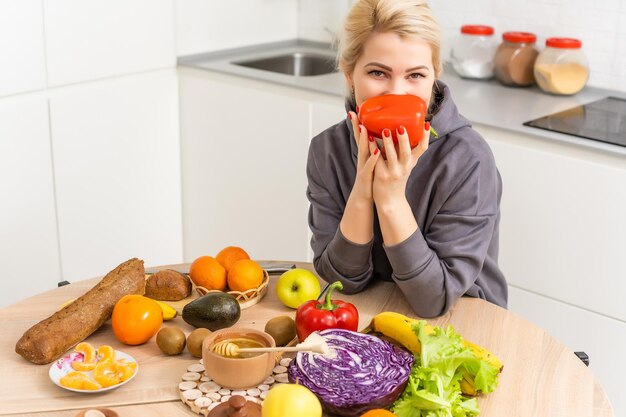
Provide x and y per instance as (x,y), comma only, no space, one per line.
(603,120)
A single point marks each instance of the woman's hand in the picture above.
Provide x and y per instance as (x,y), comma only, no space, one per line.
(367,156)
(391,176)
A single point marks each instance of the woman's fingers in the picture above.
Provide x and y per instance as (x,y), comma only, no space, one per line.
(370,164)
(390,150)
(404,145)
(423,145)
(373,146)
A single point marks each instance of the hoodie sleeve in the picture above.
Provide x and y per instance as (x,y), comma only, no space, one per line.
(435,268)
(335,258)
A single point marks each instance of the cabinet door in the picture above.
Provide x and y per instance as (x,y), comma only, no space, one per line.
(21,47)
(87,40)
(600,337)
(117,172)
(244,152)
(29,250)
(563,229)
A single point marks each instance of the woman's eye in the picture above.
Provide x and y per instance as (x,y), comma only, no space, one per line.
(417,75)
(377,73)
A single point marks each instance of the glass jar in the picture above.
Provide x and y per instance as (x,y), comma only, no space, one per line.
(562,68)
(472,52)
(515,59)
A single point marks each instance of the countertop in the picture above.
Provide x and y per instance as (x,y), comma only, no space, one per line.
(541,377)
(482,102)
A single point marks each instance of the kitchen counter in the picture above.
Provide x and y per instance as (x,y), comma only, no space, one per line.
(482,102)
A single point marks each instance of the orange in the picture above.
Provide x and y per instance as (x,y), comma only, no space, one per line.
(89,357)
(106,353)
(78,380)
(136,319)
(229,255)
(207,272)
(245,275)
(113,373)
(378,412)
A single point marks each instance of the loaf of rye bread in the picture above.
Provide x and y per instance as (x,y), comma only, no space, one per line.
(168,285)
(52,337)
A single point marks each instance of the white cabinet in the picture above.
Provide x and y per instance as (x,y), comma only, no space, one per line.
(244,149)
(88,40)
(21,47)
(117,173)
(601,337)
(562,242)
(563,228)
(29,251)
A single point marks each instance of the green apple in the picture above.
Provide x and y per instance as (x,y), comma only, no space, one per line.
(297,286)
(290,400)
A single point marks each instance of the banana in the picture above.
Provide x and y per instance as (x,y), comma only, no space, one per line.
(484,354)
(168,311)
(399,328)
(468,386)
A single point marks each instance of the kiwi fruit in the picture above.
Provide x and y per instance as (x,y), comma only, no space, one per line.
(171,340)
(282,329)
(195,339)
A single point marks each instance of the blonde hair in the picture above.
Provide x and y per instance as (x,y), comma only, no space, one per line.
(406,18)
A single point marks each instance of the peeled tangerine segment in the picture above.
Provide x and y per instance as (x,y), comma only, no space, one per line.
(113,373)
(106,354)
(89,357)
(78,380)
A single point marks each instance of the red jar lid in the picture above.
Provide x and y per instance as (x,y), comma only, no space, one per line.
(519,37)
(564,43)
(476,30)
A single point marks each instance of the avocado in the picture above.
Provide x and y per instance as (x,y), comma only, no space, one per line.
(214,311)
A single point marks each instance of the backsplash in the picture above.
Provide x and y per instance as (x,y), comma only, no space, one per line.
(601,26)
(211,25)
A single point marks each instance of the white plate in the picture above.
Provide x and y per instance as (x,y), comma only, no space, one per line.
(63,366)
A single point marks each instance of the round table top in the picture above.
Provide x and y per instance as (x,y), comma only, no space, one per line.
(541,377)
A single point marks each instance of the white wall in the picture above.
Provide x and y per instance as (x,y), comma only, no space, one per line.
(601,25)
(89,140)
(211,25)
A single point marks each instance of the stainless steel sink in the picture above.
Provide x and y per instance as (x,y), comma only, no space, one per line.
(301,64)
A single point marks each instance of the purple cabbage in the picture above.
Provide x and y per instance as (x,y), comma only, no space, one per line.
(366,373)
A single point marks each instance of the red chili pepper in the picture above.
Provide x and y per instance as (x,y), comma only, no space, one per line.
(392,111)
(314,315)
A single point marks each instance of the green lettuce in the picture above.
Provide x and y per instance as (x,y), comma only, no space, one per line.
(433,389)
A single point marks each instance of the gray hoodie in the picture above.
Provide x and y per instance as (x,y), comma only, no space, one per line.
(454,192)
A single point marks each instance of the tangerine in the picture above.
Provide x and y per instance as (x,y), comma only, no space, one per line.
(136,319)
(207,272)
(229,255)
(106,353)
(245,275)
(113,373)
(89,357)
(78,380)
(378,412)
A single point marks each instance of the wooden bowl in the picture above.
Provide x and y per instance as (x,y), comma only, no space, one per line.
(247,298)
(93,412)
(238,373)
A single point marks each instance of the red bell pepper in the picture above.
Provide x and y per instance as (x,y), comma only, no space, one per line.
(392,111)
(314,315)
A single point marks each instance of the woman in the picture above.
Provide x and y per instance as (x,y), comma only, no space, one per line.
(426,218)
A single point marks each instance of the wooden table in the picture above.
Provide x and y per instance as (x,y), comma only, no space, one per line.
(540,378)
